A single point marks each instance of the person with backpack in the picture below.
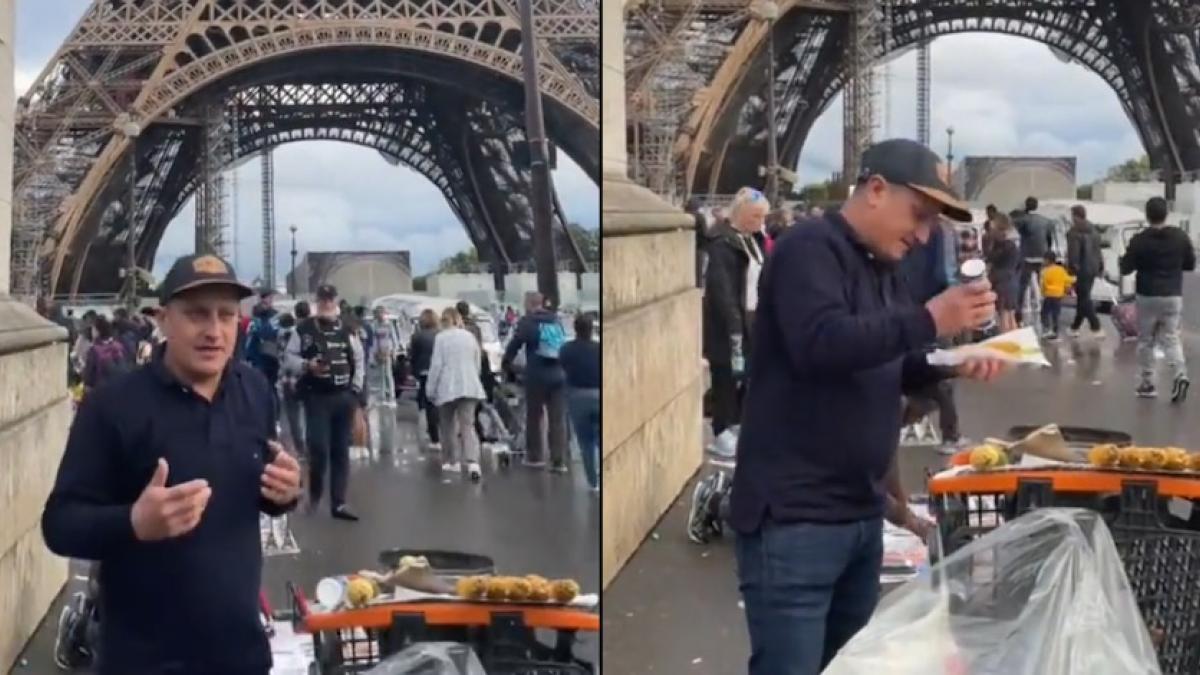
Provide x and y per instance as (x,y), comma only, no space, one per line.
(542,336)
(106,359)
(262,337)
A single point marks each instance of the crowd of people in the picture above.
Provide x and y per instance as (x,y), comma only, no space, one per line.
(175,448)
(816,337)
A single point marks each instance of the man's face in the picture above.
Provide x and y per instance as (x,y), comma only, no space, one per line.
(718,214)
(200,327)
(327,307)
(267,301)
(1078,219)
(903,218)
(378,314)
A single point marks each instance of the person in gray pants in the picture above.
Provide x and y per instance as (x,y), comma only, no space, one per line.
(1159,255)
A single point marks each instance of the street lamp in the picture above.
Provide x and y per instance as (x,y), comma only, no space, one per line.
(292,277)
(950,151)
(768,12)
(541,191)
(132,131)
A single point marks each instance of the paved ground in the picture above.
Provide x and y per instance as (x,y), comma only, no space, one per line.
(527,522)
(674,607)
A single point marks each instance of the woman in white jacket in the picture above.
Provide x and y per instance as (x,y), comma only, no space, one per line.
(454,386)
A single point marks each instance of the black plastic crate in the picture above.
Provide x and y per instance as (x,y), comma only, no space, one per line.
(1160,552)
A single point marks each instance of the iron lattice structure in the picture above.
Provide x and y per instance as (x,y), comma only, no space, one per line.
(1146,50)
(432,84)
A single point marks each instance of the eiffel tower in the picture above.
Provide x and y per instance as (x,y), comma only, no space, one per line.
(134,98)
(1146,50)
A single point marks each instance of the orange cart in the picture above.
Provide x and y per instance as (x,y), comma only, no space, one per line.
(503,635)
(1154,518)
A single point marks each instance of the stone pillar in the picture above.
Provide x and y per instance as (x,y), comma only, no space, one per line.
(651,436)
(34,417)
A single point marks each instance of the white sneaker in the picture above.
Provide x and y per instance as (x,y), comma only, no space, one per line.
(1098,334)
(451,467)
(474,472)
(435,446)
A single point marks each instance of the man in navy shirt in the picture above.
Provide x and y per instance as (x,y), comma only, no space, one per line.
(837,342)
(164,476)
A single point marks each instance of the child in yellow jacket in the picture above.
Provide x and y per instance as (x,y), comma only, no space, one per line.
(1056,281)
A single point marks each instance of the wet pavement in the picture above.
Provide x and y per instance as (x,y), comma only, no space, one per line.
(528,522)
(675,609)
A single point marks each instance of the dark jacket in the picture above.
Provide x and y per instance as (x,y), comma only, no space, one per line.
(724,312)
(1085,258)
(421,350)
(1160,255)
(924,268)
(1003,260)
(837,342)
(538,370)
(581,362)
(213,574)
(1037,235)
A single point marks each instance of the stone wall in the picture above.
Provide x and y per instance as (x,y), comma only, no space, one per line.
(651,436)
(35,415)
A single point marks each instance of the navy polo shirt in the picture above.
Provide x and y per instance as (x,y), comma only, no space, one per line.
(836,341)
(188,604)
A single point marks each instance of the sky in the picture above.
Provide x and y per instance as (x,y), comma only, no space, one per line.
(1003,95)
(339,196)
(345,197)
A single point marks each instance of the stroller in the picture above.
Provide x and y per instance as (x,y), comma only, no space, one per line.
(1124,318)
(500,422)
(77,642)
(709,509)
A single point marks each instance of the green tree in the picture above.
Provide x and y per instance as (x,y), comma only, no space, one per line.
(587,240)
(463,262)
(1131,170)
(1084,192)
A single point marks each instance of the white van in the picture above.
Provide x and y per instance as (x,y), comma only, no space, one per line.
(407,308)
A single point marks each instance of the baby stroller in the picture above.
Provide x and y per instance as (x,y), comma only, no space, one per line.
(77,643)
(500,422)
(710,507)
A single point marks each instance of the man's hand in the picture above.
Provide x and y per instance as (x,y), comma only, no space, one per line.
(163,512)
(982,369)
(922,527)
(962,308)
(281,478)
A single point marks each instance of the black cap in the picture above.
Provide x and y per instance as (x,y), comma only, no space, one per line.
(266,292)
(327,292)
(907,162)
(194,271)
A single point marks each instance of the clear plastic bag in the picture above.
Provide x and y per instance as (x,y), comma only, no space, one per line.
(1044,594)
(431,658)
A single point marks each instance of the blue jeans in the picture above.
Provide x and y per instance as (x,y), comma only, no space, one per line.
(808,588)
(584,406)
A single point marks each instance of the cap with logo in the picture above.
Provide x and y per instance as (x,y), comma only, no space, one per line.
(907,162)
(194,271)
(327,292)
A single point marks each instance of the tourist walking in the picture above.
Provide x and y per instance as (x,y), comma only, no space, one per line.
(542,337)
(1085,261)
(454,387)
(420,351)
(1159,255)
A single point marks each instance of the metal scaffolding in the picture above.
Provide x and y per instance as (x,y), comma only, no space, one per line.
(859,98)
(217,139)
(923,91)
(268,218)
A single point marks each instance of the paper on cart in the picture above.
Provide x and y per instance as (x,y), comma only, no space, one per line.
(1019,346)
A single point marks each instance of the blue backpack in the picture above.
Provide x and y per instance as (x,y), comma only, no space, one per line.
(551,338)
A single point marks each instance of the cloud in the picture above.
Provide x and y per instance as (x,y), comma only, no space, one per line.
(983,86)
(342,197)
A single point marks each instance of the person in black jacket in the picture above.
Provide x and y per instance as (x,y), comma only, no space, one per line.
(1085,262)
(735,260)
(165,474)
(836,344)
(420,350)
(1159,255)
